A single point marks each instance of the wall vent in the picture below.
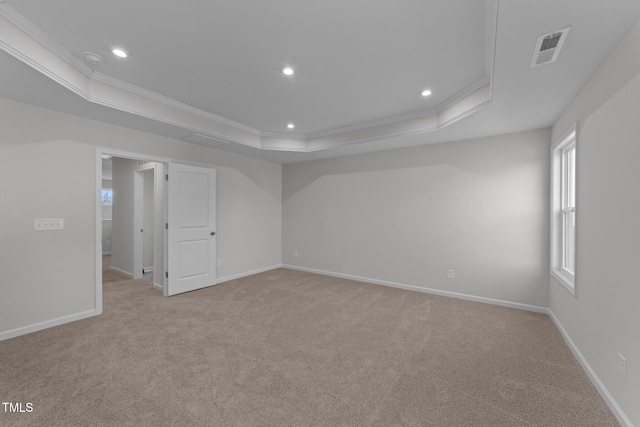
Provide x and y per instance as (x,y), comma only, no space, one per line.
(548,47)
(143,162)
(200,139)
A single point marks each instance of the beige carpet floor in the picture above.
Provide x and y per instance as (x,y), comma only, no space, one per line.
(287,348)
(109,275)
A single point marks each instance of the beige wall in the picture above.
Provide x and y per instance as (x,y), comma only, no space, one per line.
(479,207)
(48,169)
(603,319)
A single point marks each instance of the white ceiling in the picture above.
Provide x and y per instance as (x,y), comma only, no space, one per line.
(359,64)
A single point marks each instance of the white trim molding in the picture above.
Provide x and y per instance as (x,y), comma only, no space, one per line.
(122,271)
(558,188)
(111,81)
(25,41)
(623,419)
(467,297)
(12,333)
(247,273)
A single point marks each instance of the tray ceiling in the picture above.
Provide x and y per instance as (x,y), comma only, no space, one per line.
(211,71)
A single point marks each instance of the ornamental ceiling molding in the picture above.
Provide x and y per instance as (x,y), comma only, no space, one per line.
(29,44)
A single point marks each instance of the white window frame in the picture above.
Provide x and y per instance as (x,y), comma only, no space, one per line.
(561,207)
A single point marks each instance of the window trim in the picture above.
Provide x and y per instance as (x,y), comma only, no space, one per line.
(559,207)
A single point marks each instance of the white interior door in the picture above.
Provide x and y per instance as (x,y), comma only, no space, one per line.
(192,226)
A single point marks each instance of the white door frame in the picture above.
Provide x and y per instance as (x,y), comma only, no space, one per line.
(138,221)
(100,151)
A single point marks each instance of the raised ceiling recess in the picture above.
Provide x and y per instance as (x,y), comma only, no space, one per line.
(215,69)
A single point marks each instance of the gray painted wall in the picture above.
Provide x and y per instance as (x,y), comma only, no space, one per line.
(123,216)
(48,169)
(479,207)
(603,319)
(122,212)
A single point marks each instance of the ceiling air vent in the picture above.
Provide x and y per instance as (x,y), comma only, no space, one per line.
(205,140)
(548,47)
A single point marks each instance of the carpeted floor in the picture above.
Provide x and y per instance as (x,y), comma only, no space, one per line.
(110,275)
(287,348)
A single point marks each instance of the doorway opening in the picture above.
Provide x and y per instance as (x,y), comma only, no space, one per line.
(148,217)
(130,215)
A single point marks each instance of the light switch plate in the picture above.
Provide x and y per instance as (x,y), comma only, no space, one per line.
(47,224)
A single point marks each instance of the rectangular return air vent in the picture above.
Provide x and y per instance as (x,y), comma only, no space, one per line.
(205,140)
(548,47)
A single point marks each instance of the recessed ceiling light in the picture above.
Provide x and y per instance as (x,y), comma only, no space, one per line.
(119,52)
(425,92)
(291,125)
(287,71)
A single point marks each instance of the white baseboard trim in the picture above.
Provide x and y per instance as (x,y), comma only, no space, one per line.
(606,395)
(106,253)
(46,324)
(247,273)
(518,305)
(158,287)
(122,271)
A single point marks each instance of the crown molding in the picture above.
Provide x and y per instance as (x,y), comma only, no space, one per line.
(26,42)
(19,44)
(373,123)
(285,135)
(457,97)
(281,144)
(43,38)
(163,118)
(465,106)
(112,81)
(473,102)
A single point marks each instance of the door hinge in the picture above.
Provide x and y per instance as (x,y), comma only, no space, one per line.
(166,177)
(166,225)
(166,274)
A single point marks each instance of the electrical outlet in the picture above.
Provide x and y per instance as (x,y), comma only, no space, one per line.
(219,263)
(449,274)
(622,366)
(46,224)
(295,254)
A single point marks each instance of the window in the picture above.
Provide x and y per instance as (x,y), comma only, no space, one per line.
(563,214)
(107,196)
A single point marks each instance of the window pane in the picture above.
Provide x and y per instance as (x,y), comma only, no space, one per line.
(571,177)
(107,197)
(569,242)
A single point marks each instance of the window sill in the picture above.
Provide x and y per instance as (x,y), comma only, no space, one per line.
(567,280)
